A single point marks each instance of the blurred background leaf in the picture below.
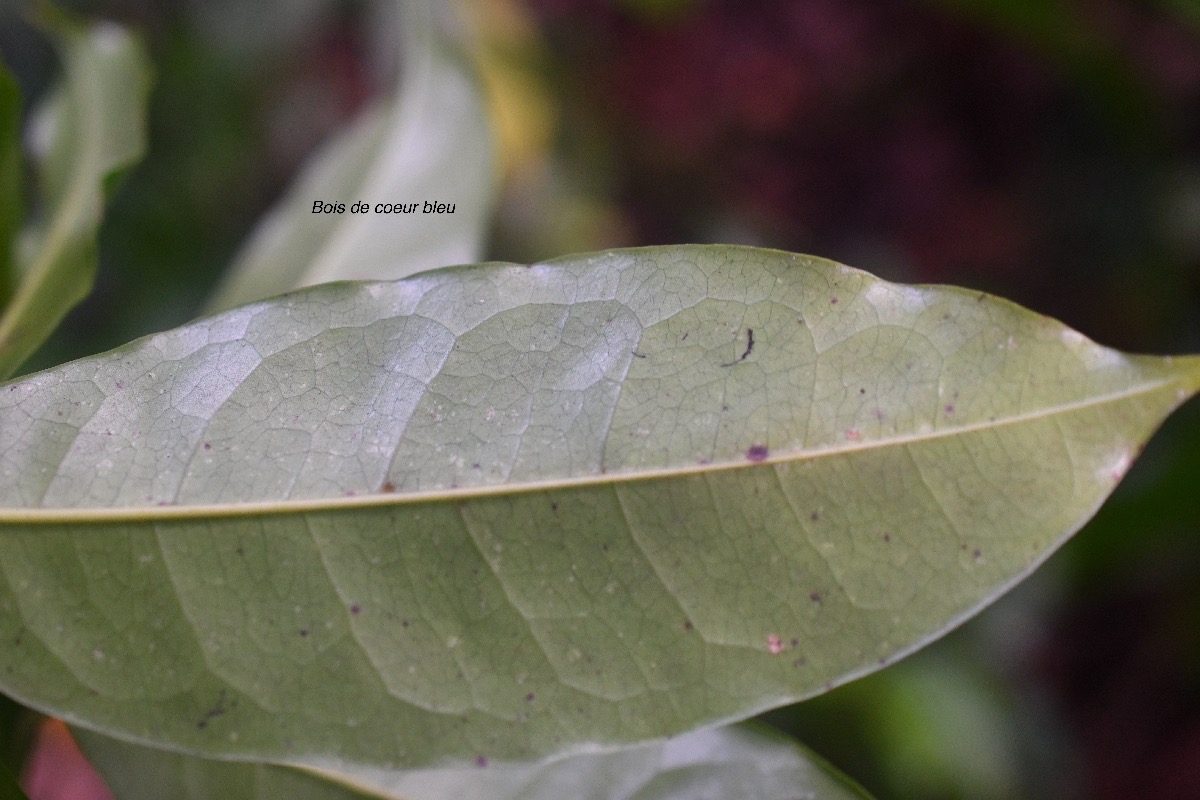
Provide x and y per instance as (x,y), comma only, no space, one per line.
(12,187)
(924,140)
(82,137)
(430,143)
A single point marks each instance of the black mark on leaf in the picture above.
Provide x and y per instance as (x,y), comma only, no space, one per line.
(749,348)
(217,709)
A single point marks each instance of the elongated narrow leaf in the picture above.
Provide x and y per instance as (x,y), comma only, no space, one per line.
(12,208)
(501,512)
(727,762)
(89,130)
(430,144)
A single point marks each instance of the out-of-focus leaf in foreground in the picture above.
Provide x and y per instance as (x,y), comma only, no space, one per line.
(502,512)
(742,761)
(431,142)
(89,130)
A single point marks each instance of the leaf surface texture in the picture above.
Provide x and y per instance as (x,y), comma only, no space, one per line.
(508,511)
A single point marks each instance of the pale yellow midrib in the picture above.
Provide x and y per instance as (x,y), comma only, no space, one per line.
(249,509)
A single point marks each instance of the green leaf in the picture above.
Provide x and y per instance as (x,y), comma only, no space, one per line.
(430,143)
(89,130)
(743,761)
(507,511)
(12,209)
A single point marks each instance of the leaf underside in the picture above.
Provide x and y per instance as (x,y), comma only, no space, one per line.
(502,512)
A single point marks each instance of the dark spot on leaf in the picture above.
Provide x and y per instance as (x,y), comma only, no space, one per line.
(687,625)
(356,609)
(977,553)
(795,642)
(862,391)
(480,762)
(215,710)
(207,446)
(815,597)
(757,452)
(949,408)
(815,517)
(304,631)
(405,623)
(388,487)
(887,537)
(554,506)
(240,551)
(833,301)
(476,466)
